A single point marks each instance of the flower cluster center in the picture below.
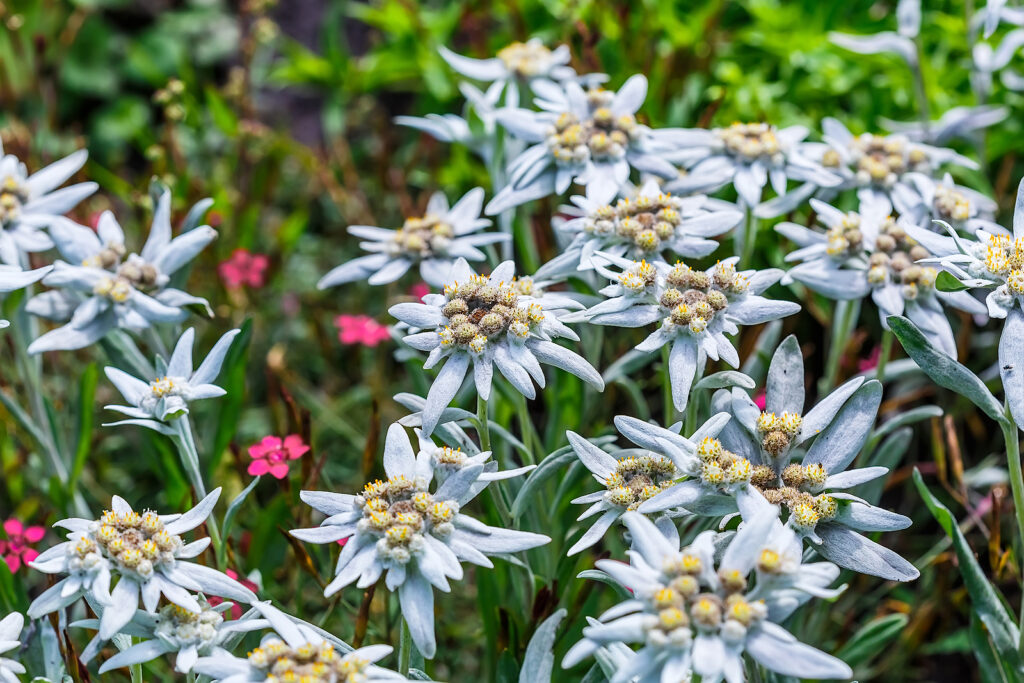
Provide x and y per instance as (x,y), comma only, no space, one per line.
(422,237)
(137,543)
(692,298)
(526,59)
(799,491)
(400,512)
(311,663)
(602,137)
(12,196)
(951,204)
(720,467)
(645,222)
(883,158)
(893,260)
(751,141)
(1004,259)
(478,311)
(179,624)
(638,478)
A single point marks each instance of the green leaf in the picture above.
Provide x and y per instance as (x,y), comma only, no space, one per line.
(229,516)
(551,465)
(943,370)
(985,599)
(947,282)
(221,113)
(233,381)
(991,667)
(86,420)
(871,639)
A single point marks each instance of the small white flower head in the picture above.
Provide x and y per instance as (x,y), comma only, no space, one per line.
(297,652)
(646,225)
(695,309)
(869,253)
(416,537)
(696,614)
(10,631)
(29,203)
(145,551)
(751,156)
(881,165)
(161,400)
(592,137)
(932,200)
(100,289)
(488,322)
(639,478)
(432,242)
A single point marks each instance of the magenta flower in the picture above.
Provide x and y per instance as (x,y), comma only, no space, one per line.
(243,269)
(271,455)
(419,290)
(15,549)
(361,329)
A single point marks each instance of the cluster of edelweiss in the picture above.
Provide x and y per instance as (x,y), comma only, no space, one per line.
(696,606)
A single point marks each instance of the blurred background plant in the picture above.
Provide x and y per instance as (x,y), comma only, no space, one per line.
(282,114)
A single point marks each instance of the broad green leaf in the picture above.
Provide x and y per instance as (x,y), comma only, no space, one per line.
(551,465)
(943,370)
(871,639)
(985,599)
(229,516)
(947,282)
(991,667)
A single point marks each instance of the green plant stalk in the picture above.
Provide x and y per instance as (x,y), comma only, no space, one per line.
(883,354)
(404,648)
(532,439)
(666,387)
(483,426)
(1012,439)
(190,461)
(750,225)
(843,320)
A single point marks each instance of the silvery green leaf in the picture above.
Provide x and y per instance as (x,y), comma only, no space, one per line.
(947,282)
(539,659)
(943,370)
(785,386)
(839,443)
(725,379)
(229,516)
(1011,363)
(885,41)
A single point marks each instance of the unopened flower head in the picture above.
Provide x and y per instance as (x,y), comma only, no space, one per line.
(431,242)
(487,322)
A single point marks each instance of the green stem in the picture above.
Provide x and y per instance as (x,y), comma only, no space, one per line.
(749,237)
(190,461)
(531,438)
(920,90)
(482,425)
(666,386)
(1012,439)
(405,646)
(844,318)
(883,354)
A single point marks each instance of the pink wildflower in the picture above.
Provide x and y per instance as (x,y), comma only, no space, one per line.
(15,550)
(271,455)
(419,290)
(871,362)
(761,400)
(243,268)
(361,329)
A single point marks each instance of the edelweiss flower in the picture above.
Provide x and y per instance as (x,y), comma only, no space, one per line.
(591,137)
(172,630)
(878,164)
(161,400)
(750,156)
(958,122)
(433,242)
(419,538)
(100,290)
(31,202)
(644,226)
(454,128)
(696,309)
(298,652)
(486,322)
(871,253)
(531,63)
(689,616)
(10,629)
(943,200)
(147,553)
(633,476)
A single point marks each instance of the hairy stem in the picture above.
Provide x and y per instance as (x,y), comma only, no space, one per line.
(1012,439)
(883,354)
